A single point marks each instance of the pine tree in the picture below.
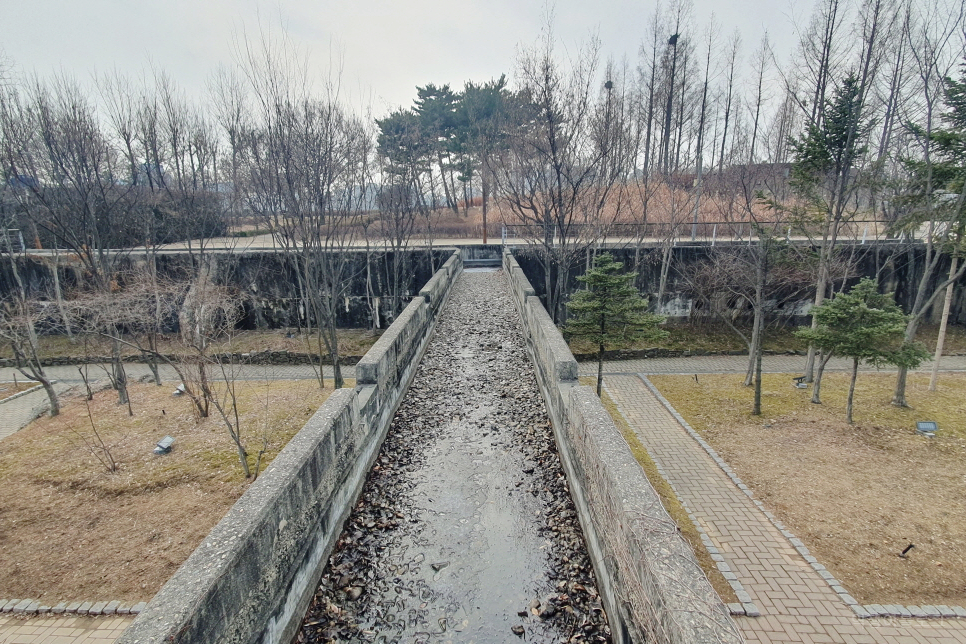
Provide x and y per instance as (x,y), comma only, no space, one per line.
(609,312)
(864,325)
(825,176)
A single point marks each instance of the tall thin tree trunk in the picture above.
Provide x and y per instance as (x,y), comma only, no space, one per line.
(757,409)
(59,297)
(485,190)
(947,304)
(752,353)
(119,375)
(817,383)
(848,405)
(699,154)
(665,269)
(668,112)
(761,277)
(600,366)
(829,239)
(54,409)
(339,382)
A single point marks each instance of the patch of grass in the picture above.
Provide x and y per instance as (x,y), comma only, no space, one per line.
(67,520)
(711,337)
(714,337)
(668,499)
(251,233)
(858,494)
(57,451)
(716,400)
(8,389)
(707,337)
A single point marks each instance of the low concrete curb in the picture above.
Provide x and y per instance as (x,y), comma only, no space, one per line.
(20,394)
(93,609)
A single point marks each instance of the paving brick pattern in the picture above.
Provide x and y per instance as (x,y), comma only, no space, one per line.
(61,630)
(796,603)
(738,364)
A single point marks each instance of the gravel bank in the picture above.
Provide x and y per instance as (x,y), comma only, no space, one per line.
(465,530)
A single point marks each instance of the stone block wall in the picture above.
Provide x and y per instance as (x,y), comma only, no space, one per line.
(650,582)
(253,576)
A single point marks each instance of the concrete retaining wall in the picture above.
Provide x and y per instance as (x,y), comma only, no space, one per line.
(651,585)
(253,576)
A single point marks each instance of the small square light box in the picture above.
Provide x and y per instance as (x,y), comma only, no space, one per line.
(926,427)
(164,445)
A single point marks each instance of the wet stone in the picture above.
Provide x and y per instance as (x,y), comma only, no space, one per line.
(465,530)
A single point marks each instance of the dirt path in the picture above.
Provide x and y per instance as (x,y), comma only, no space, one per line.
(465,530)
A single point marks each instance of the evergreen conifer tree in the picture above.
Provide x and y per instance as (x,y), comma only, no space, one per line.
(864,325)
(609,312)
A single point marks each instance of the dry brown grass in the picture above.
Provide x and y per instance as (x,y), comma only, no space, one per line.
(857,495)
(713,337)
(8,389)
(71,530)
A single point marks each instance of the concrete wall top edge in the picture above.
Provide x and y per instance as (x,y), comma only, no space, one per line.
(368,367)
(690,606)
(564,363)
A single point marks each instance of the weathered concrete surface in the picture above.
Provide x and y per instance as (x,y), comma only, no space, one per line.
(465,522)
(252,577)
(651,584)
(898,267)
(267,277)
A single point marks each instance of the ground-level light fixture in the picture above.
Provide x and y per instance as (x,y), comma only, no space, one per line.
(164,445)
(927,428)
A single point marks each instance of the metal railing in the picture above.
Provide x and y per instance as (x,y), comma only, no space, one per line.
(704,232)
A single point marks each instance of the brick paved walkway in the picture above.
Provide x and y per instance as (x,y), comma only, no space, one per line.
(61,629)
(738,364)
(796,604)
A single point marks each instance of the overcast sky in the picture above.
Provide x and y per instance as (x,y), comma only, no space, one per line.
(386,47)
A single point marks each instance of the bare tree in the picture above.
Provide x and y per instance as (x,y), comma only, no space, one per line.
(699,153)
(935,43)
(551,175)
(309,172)
(69,190)
(753,277)
(733,50)
(19,315)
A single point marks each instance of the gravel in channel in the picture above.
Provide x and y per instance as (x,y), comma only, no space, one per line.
(465,530)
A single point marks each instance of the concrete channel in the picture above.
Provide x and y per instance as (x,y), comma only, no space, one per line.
(468,489)
(465,530)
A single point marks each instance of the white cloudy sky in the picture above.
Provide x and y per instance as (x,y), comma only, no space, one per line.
(386,47)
